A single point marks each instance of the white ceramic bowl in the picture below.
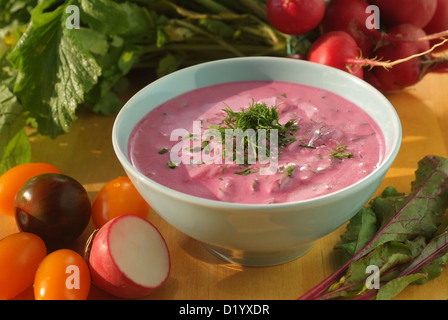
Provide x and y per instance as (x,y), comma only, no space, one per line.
(257,235)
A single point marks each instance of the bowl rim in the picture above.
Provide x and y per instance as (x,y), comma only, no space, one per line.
(381,170)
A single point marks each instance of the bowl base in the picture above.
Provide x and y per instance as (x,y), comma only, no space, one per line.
(258,259)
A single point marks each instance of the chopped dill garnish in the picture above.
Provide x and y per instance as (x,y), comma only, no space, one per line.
(339,152)
(258,116)
(171,165)
(163,151)
(244,172)
(307,146)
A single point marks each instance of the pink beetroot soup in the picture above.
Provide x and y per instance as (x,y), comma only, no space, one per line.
(334,145)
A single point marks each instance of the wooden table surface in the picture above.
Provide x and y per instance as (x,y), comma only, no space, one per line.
(86,154)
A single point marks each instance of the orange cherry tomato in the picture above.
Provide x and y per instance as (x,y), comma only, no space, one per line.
(20,256)
(62,275)
(117,197)
(13,179)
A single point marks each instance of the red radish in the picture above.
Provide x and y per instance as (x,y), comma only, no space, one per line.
(351,16)
(416,12)
(404,74)
(439,23)
(128,257)
(333,49)
(371,78)
(397,64)
(295,17)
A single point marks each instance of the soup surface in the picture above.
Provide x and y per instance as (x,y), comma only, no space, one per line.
(329,144)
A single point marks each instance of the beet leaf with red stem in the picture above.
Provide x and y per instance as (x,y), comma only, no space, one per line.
(396,232)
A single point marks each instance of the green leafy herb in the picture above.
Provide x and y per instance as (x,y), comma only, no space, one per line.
(401,234)
(163,151)
(14,145)
(69,74)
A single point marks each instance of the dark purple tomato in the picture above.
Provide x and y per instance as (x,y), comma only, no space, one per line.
(53,206)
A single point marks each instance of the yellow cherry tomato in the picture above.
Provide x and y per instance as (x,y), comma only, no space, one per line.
(62,275)
(20,255)
(117,197)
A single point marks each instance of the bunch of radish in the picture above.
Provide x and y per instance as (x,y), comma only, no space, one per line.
(390,44)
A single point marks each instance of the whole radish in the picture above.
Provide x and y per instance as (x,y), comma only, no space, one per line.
(416,12)
(439,22)
(404,74)
(295,17)
(351,16)
(334,49)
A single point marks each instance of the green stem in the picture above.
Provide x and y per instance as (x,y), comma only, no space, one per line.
(265,34)
(293,43)
(277,50)
(213,6)
(257,8)
(221,42)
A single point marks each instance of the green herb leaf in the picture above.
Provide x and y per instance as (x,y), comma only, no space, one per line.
(307,146)
(55,71)
(290,171)
(163,151)
(340,152)
(14,145)
(171,165)
(244,172)
(168,64)
(105,16)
